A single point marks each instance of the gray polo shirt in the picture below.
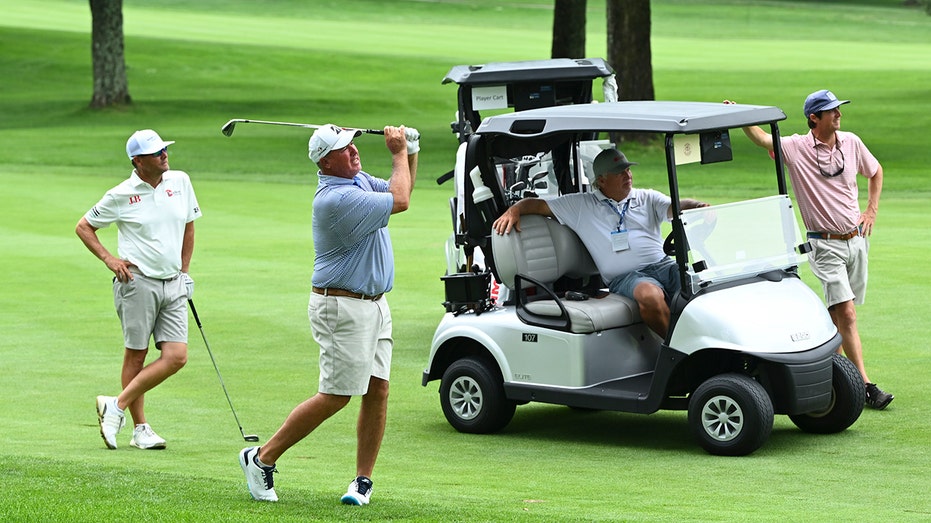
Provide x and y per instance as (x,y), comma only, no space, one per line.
(594,216)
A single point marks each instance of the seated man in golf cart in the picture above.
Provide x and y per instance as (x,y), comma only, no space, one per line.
(620,227)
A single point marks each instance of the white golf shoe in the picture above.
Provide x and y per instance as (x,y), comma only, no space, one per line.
(359,493)
(111,419)
(146,438)
(259,479)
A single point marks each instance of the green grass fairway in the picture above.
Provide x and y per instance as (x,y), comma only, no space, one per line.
(367,63)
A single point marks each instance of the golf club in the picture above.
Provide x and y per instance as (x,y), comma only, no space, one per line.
(246,437)
(228,128)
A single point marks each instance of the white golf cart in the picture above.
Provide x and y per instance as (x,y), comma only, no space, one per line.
(748,339)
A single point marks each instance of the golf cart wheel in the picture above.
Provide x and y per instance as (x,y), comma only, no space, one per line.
(847,397)
(472,397)
(731,415)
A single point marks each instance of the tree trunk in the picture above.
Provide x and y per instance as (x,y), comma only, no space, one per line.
(569,29)
(629,52)
(110,85)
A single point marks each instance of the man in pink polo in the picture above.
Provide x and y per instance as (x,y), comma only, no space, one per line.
(823,166)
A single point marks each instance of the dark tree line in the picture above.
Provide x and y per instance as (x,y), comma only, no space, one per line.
(628,46)
(627,23)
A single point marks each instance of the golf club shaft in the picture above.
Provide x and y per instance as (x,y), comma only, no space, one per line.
(228,128)
(222,385)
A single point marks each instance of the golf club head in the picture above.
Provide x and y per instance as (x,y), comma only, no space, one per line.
(227,129)
(250,437)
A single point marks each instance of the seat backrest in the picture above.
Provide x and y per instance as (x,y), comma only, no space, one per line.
(544,250)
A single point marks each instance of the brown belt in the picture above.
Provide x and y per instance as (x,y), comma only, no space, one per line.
(347,294)
(833,235)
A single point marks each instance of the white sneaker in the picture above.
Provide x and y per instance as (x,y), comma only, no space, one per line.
(146,438)
(111,419)
(359,493)
(259,479)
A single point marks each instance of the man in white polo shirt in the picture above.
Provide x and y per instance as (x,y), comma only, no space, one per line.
(620,227)
(154,211)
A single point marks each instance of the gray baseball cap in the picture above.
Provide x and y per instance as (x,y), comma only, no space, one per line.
(610,161)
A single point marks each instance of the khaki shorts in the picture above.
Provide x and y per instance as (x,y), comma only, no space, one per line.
(355,342)
(842,268)
(149,307)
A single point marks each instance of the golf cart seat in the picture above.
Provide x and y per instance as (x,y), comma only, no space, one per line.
(531,261)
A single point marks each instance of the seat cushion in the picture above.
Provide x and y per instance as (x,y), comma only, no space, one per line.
(543,250)
(593,314)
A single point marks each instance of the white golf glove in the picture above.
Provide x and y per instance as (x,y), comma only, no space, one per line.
(188,284)
(413,140)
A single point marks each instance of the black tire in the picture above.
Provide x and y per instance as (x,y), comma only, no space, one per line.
(847,397)
(472,397)
(731,415)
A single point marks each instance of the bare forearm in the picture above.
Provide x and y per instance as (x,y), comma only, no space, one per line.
(875,190)
(187,247)
(760,137)
(88,236)
(510,219)
(689,203)
(400,184)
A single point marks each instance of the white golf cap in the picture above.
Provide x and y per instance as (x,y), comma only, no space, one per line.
(328,138)
(145,141)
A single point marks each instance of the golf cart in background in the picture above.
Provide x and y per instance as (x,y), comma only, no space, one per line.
(747,338)
(498,87)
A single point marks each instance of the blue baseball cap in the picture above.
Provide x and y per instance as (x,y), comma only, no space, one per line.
(822,100)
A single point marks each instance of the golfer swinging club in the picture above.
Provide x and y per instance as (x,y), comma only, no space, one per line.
(349,314)
(154,211)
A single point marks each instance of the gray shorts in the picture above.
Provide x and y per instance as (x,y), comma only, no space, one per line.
(842,268)
(149,307)
(355,342)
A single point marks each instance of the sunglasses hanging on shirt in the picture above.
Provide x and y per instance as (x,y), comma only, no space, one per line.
(831,167)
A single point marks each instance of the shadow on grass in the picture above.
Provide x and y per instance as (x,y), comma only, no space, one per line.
(661,431)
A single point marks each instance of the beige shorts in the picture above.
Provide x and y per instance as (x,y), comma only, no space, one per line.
(355,342)
(842,268)
(148,308)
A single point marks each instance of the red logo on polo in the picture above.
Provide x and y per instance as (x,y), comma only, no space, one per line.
(135,199)
(169,193)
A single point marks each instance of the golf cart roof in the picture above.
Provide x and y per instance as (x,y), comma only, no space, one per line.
(643,116)
(531,70)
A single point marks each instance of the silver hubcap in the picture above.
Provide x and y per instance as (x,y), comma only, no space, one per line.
(722,418)
(825,412)
(465,397)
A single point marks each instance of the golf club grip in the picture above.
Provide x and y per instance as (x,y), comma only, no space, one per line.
(372,131)
(190,303)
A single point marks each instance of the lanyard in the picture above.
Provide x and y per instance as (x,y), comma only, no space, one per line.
(621,213)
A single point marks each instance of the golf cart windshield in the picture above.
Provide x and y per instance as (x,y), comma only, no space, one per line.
(735,240)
